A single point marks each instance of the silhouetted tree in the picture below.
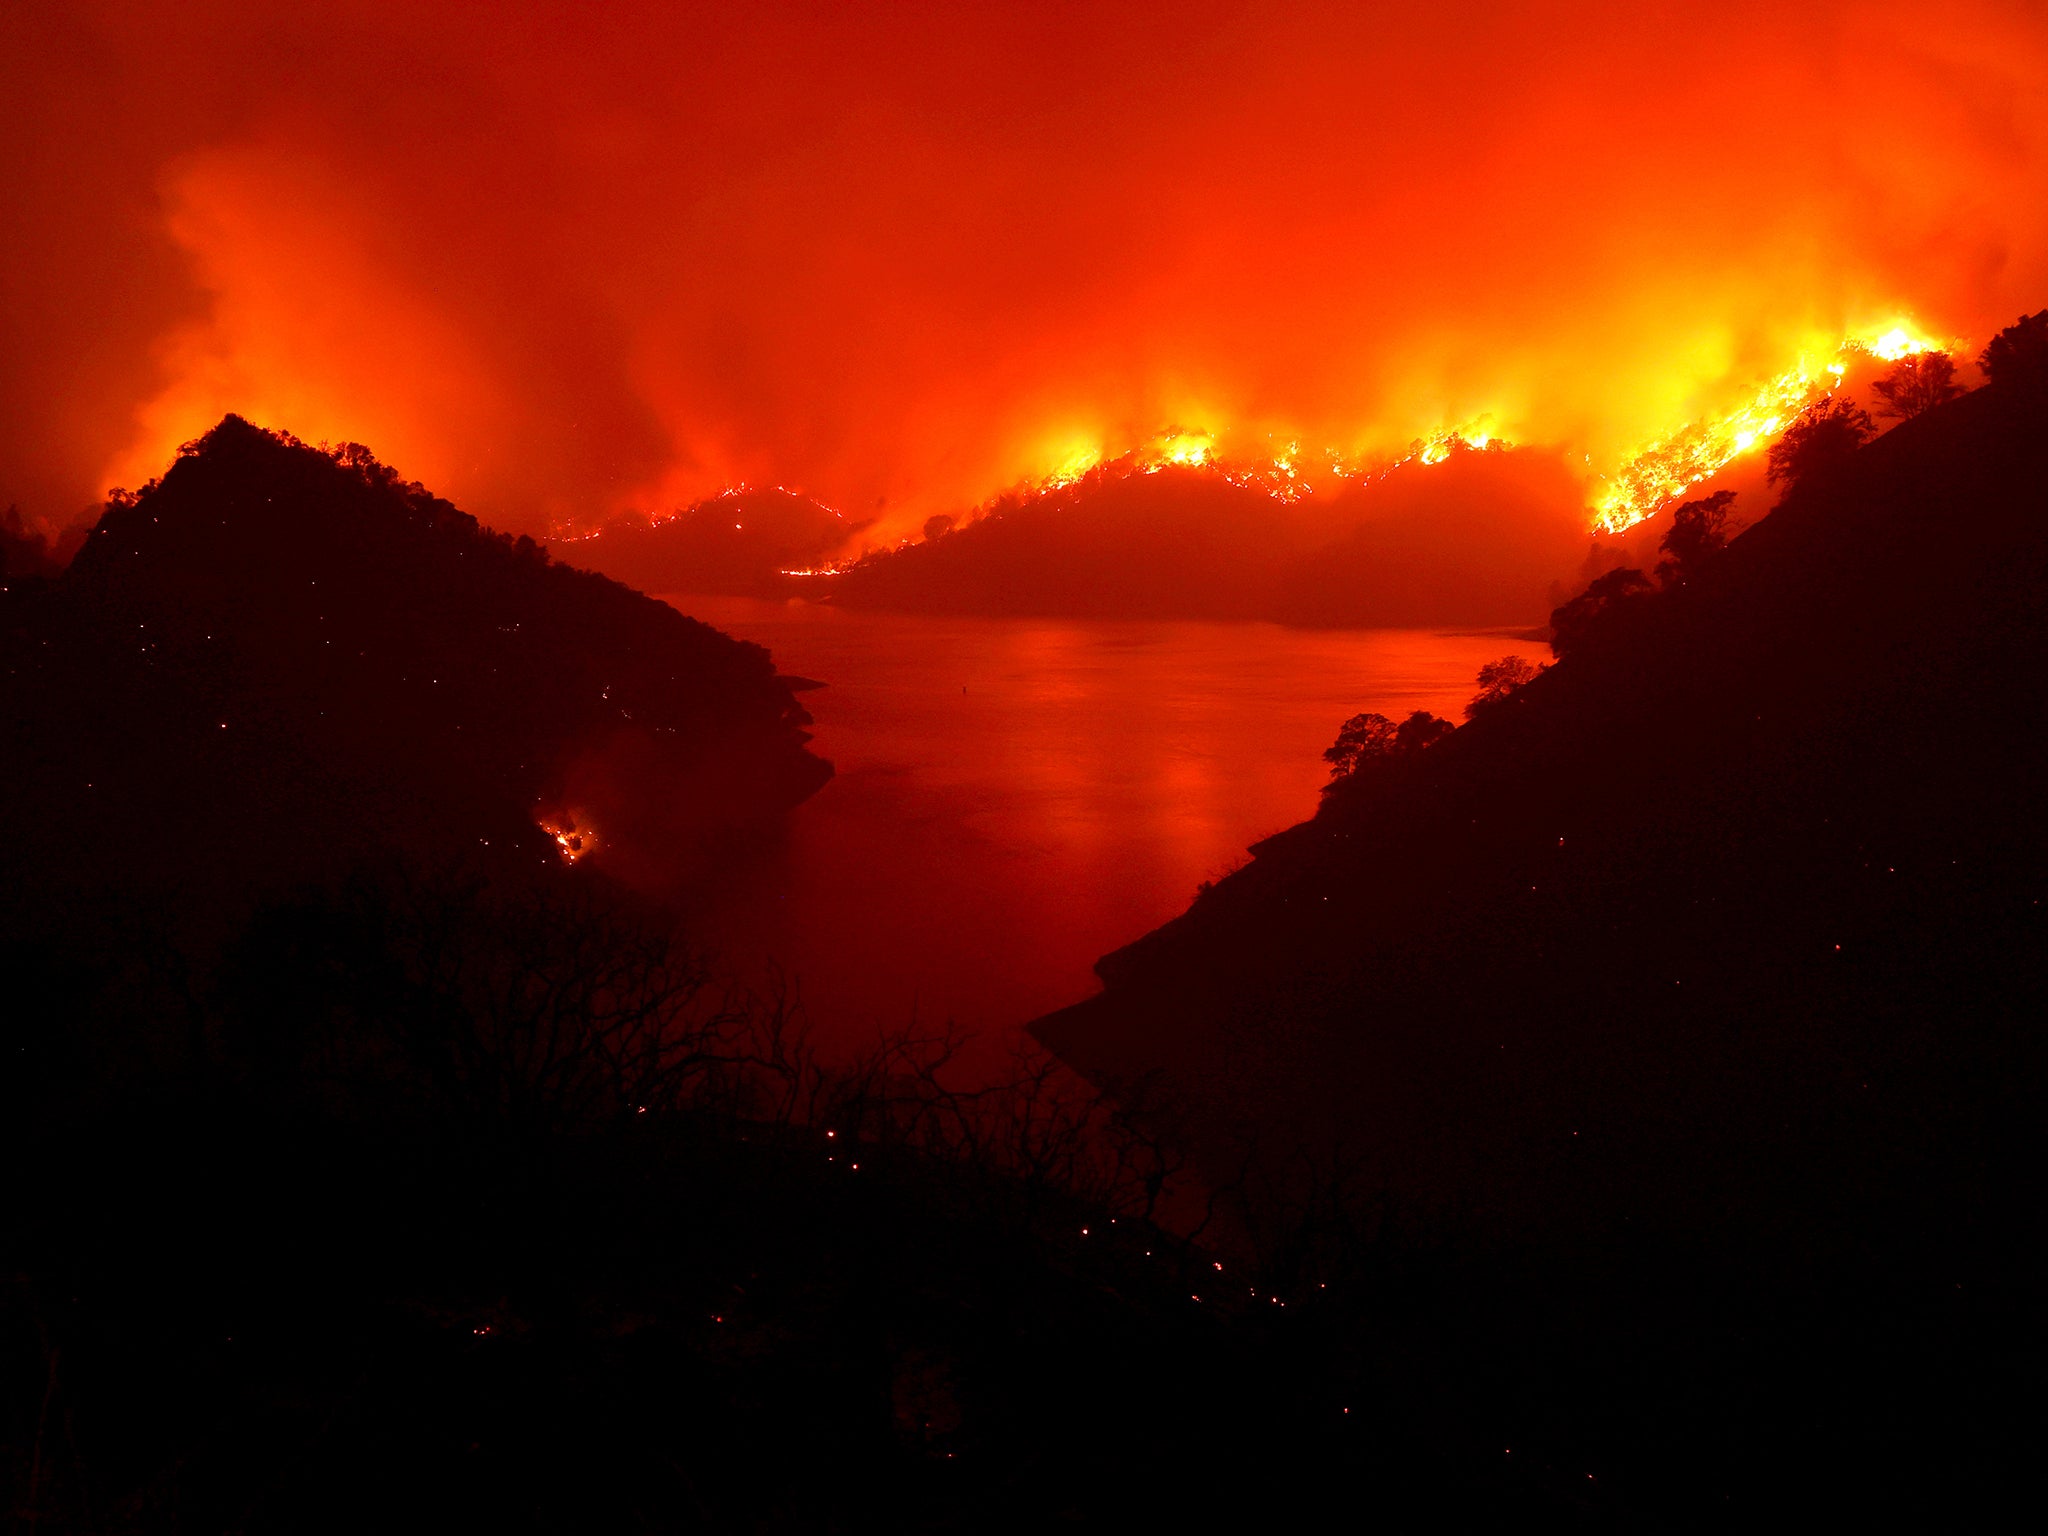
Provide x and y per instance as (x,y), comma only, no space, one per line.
(1361,738)
(2018,355)
(1499,679)
(1572,625)
(1419,730)
(1917,384)
(1697,534)
(1369,737)
(1823,439)
(938,527)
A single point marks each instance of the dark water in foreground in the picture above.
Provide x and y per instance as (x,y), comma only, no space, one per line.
(1017,796)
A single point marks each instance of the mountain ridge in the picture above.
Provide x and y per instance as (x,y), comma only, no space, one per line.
(315,652)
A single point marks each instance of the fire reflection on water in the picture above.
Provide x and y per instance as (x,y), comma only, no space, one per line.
(1014,798)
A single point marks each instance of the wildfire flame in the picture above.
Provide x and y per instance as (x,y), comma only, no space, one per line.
(1644,482)
(1666,469)
(1445,441)
(577,530)
(571,841)
(1179,447)
(1639,485)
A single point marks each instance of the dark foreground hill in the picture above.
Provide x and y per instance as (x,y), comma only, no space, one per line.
(275,661)
(366,1166)
(1481,538)
(1677,1025)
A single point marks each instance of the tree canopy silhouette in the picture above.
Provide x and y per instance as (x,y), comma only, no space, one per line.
(1421,729)
(1368,738)
(1698,533)
(1360,739)
(1498,680)
(1822,441)
(2017,357)
(1587,615)
(1917,385)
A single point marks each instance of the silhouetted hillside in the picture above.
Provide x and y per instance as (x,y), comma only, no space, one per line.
(1480,538)
(368,1167)
(274,661)
(1139,546)
(742,542)
(1681,1015)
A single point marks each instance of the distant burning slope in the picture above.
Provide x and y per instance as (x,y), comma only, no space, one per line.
(275,654)
(740,541)
(1453,534)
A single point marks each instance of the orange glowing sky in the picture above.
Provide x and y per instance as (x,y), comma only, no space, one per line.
(558,260)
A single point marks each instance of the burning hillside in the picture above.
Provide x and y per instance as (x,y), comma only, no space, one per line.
(740,542)
(1461,527)
(917,263)
(1466,536)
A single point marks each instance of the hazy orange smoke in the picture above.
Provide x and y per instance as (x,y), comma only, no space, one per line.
(558,259)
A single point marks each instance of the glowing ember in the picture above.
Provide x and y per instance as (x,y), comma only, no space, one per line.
(572,841)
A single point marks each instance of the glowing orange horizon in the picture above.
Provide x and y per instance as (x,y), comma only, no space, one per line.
(1652,478)
(1629,490)
(915,265)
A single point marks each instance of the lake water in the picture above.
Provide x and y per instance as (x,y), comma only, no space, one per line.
(1015,797)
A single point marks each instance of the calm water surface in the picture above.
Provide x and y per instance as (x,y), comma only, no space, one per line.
(1015,797)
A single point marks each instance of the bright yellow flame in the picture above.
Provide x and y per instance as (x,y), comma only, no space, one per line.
(1644,480)
(1899,342)
(1076,465)
(1177,447)
(1445,441)
(1666,469)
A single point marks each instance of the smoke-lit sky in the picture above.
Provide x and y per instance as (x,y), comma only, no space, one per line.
(559,259)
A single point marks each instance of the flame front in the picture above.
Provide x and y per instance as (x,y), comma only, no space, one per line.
(1638,485)
(1666,469)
